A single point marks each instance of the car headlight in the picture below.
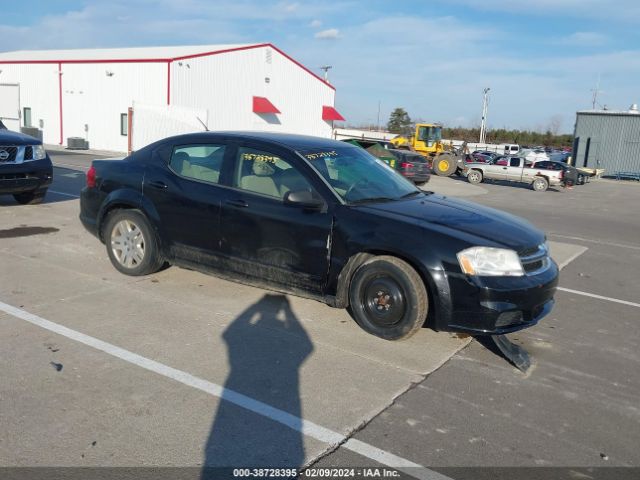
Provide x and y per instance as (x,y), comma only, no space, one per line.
(490,262)
(39,153)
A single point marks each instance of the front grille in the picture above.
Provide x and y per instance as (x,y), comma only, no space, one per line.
(8,154)
(535,259)
(28,152)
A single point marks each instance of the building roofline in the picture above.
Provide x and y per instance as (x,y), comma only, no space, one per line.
(608,112)
(166,59)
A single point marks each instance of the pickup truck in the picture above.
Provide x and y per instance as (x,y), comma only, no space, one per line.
(517,169)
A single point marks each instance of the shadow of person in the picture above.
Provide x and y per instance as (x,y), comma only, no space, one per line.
(266,346)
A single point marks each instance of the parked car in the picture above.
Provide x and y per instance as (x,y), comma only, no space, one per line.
(572,175)
(25,167)
(518,170)
(478,158)
(321,219)
(486,153)
(411,165)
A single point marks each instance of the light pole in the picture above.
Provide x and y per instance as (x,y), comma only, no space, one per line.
(483,124)
(326,69)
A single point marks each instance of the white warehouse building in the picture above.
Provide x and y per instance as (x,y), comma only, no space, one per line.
(123,99)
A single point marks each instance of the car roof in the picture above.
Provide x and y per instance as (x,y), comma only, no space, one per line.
(290,140)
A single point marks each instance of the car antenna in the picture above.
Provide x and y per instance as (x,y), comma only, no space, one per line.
(203,124)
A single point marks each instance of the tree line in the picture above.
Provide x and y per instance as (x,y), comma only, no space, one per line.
(400,123)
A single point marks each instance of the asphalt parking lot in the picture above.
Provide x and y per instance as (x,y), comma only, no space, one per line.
(183,369)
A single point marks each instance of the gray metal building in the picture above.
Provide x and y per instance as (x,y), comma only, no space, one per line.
(608,139)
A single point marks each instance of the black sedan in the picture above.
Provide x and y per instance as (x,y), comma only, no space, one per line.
(325,220)
(25,167)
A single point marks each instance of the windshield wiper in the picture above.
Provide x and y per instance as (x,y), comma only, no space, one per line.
(411,194)
(371,200)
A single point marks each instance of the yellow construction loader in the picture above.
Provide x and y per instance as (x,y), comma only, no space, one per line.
(427,140)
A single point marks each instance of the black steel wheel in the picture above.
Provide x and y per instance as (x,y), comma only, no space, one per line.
(388,298)
(131,244)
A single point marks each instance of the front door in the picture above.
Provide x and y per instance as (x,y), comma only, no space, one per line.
(263,237)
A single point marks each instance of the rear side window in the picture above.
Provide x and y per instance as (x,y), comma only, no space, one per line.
(514,162)
(200,162)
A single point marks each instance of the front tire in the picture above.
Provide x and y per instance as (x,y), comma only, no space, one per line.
(444,165)
(131,244)
(30,198)
(474,177)
(388,298)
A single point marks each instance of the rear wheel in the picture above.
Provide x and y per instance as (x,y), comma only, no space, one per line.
(475,177)
(30,198)
(540,184)
(388,298)
(444,165)
(131,243)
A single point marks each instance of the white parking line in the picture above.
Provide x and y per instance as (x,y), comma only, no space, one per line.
(65,194)
(599,242)
(600,297)
(301,425)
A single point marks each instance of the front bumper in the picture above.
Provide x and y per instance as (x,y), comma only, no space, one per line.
(25,176)
(498,305)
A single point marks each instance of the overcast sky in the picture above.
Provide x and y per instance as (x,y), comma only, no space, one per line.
(541,58)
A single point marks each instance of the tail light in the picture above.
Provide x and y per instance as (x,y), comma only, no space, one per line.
(406,165)
(91,177)
(561,174)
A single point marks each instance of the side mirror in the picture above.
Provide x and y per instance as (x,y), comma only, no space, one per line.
(304,199)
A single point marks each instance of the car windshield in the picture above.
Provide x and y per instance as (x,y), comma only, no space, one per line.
(358,177)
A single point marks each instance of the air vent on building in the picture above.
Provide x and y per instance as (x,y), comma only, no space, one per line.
(268,55)
(77,143)
(634,108)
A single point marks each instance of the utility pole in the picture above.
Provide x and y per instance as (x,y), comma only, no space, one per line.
(378,116)
(326,69)
(483,124)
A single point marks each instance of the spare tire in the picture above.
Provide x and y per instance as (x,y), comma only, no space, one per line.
(445,164)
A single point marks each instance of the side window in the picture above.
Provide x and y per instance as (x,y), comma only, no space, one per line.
(200,162)
(514,162)
(267,174)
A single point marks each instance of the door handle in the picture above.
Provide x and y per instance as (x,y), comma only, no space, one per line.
(504,168)
(237,203)
(158,184)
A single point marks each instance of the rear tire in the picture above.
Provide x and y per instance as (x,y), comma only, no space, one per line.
(444,164)
(388,298)
(30,198)
(131,243)
(474,177)
(540,184)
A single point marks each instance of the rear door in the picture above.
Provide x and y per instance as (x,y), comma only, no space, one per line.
(186,193)
(264,238)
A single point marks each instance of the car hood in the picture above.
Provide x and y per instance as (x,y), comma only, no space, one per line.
(484,222)
(8,137)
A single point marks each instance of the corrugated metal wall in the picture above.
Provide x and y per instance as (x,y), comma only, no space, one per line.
(96,94)
(225,85)
(39,92)
(609,141)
